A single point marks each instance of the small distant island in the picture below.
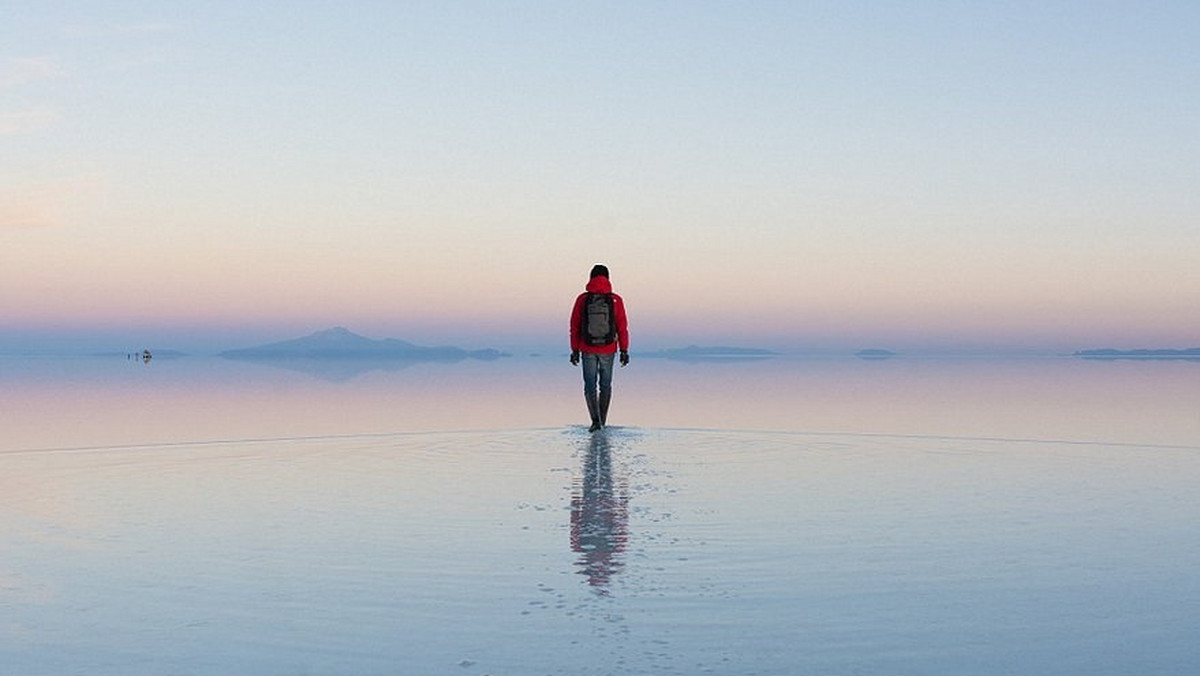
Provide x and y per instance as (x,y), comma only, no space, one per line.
(697,353)
(341,343)
(875,353)
(1191,354)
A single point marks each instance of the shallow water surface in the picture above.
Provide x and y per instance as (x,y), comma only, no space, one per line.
(794,515)
(632,551)
(75,403)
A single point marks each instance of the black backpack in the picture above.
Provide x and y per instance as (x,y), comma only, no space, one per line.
(596,323)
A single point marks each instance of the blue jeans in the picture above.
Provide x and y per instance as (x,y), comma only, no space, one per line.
(597,384)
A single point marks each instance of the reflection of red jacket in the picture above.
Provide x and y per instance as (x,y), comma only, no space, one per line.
(600,284)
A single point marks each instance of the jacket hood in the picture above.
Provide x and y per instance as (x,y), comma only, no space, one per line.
(599,284)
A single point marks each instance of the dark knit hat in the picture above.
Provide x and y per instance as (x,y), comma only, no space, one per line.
(600,271)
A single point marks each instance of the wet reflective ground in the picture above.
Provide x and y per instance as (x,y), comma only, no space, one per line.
(637,551)
(196,535)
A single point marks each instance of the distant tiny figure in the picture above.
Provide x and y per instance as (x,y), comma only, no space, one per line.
(599,329)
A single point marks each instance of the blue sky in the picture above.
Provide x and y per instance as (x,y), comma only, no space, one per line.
(938,175)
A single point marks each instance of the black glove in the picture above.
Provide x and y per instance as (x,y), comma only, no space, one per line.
(624,357)
(574,357)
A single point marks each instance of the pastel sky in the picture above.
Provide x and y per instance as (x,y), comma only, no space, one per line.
(798,175)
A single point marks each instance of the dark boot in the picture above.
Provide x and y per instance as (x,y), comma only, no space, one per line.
(593,411)
(605,398)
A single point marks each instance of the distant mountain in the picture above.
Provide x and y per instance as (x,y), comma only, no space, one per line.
(697,353)
(1191,353)
(341,343)
(874,353)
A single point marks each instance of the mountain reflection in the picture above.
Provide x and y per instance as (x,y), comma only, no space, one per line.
(599,516)
(336,370)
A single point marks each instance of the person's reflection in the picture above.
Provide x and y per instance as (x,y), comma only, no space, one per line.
(599,516)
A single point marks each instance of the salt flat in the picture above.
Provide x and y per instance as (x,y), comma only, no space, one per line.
(272,523)
(631,551)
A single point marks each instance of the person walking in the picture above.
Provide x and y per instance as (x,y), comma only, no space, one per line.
(599,329)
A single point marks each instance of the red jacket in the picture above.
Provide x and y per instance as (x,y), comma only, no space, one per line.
(600,284)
